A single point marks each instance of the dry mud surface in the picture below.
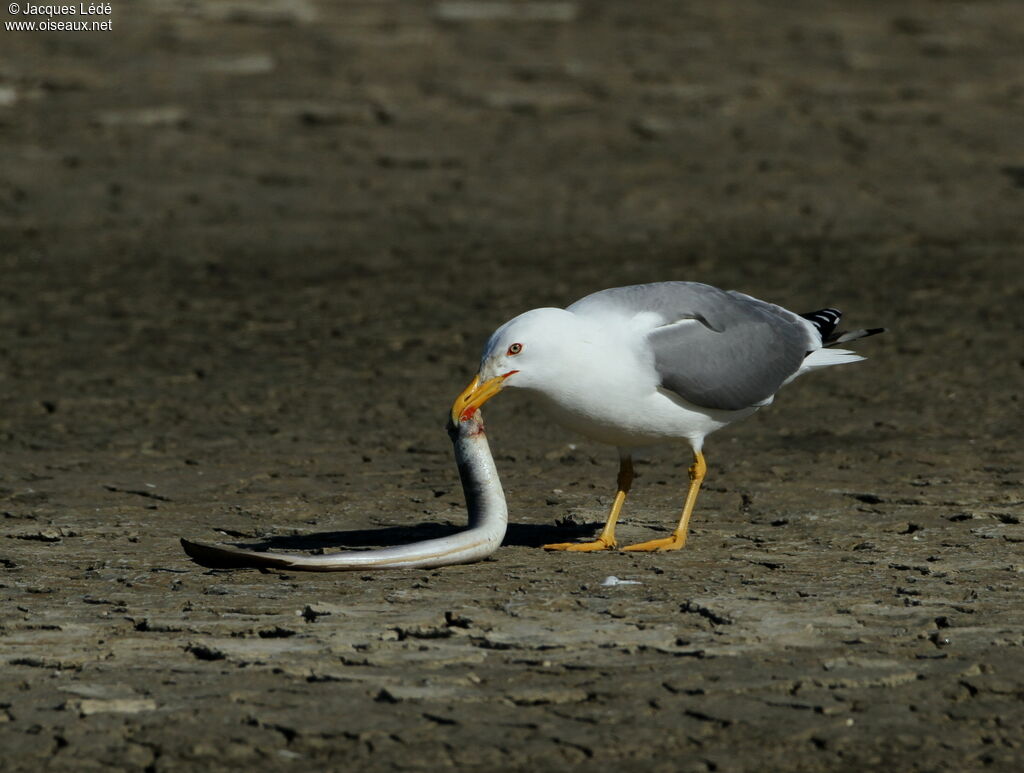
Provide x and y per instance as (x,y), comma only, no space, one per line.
(250,251)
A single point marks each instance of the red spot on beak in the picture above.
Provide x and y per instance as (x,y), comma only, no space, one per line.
(475,395)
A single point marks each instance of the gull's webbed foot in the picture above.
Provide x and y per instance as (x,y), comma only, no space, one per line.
(659,545)
(582,547)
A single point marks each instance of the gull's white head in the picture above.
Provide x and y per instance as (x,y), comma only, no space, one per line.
(532,351)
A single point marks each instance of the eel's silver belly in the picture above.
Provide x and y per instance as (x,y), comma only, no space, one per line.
(488,519)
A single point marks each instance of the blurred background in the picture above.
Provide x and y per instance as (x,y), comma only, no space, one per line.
(232,197)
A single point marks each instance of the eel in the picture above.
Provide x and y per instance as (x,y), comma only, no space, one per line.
(485,501)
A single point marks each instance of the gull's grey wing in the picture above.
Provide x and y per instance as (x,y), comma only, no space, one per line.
(713,348)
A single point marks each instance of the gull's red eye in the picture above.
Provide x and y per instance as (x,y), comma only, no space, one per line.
(514,349)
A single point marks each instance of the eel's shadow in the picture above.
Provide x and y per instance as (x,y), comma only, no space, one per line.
(518,534)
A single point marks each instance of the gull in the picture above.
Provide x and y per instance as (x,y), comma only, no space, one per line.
(655,363)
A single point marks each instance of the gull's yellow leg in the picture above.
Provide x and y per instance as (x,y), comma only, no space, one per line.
(607,538)
(697,471)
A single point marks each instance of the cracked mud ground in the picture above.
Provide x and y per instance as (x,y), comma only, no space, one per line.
(250,251)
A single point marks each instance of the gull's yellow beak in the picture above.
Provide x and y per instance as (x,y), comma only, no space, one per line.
(475,395)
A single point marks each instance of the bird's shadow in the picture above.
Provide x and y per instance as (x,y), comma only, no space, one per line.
(518,534)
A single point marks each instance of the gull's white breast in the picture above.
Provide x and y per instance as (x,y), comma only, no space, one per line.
(608,389)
